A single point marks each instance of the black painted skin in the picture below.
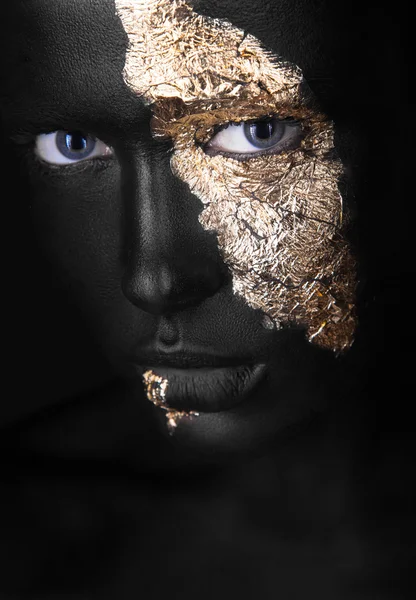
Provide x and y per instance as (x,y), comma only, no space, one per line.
(122,236)
(109,258)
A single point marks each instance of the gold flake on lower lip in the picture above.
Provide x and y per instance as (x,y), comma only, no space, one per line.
(156,389)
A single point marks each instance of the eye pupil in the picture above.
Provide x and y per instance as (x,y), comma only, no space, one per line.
(76,142)
(264,129)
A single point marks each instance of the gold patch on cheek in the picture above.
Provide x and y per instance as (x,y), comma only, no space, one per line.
(279,224)
(278,217)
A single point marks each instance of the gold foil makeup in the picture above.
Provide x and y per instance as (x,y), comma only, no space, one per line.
(279,218)
(156,388)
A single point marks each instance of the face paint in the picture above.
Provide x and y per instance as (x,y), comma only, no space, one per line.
(279,218)
(156,388)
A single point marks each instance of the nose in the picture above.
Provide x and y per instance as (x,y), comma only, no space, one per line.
(173,263)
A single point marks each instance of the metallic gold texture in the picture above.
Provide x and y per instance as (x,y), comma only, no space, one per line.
(279,218)
(156,388)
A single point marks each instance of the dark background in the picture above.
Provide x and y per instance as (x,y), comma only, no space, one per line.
(330,515)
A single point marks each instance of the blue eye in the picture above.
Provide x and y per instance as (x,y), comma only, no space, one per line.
(68,147)
(247,140)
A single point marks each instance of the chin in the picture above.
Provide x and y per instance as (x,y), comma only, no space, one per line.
(233,434)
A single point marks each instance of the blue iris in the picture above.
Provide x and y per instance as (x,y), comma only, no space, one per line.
(75,144)
(264,134)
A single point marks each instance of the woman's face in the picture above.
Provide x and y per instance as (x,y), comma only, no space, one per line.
(186,186)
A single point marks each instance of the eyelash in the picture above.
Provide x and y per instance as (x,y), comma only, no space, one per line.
(243,156)
(38,167)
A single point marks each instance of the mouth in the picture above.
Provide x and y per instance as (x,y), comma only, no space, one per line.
(198,383)
(207,389)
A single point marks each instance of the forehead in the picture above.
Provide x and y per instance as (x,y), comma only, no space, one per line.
(176,52)
(49,50)
(69,31)
(71,53)
(304,32)
(285,20)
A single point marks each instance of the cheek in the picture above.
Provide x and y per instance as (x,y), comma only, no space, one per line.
(78,222)
(279,225)
(79,226)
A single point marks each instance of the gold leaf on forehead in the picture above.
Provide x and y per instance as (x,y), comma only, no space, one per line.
(174,52)
(279,218)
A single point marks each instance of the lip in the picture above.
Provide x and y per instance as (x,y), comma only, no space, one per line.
(206,389)
(191,358)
